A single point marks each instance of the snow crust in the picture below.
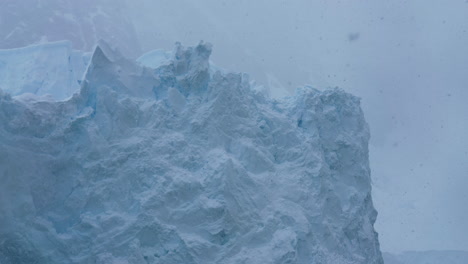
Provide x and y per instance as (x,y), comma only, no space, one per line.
(180,164)
(52,69)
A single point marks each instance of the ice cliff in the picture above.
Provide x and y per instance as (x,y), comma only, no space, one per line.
(182,164)
(51,69)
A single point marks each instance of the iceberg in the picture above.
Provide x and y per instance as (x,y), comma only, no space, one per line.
(177,163)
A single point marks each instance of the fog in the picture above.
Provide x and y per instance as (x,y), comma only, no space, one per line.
(407,60)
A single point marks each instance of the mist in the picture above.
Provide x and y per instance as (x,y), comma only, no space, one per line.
(407,60)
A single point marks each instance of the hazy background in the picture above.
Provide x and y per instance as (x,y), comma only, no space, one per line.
(407,60)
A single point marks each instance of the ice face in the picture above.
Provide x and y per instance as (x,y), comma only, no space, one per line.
(53,69)
(177,164)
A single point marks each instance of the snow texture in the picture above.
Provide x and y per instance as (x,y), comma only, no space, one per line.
(52,69)
(180,164)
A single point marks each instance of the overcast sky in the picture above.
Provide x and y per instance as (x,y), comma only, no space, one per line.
(407,60)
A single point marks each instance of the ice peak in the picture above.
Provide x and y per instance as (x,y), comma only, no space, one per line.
(191,58)
(104,50)
(191,66)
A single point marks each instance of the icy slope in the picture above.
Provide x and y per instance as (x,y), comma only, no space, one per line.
(177,165)
(53,69)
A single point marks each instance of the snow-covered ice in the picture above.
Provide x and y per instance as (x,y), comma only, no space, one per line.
(181,164)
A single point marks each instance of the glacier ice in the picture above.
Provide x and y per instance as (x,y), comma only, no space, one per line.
(181,164)
(155,58)
(52,69)
(82,22)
